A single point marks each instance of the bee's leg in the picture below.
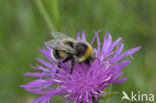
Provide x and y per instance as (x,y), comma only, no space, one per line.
(66,59)
(88,61)
(59,66)
(72,65)
(57,71)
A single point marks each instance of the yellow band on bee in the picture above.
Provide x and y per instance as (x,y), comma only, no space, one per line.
(87,54)
(62,54)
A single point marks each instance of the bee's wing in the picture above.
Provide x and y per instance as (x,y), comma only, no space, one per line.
(58,45)
(60,36)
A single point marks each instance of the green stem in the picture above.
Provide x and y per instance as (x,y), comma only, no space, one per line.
(45,15)
(54,11)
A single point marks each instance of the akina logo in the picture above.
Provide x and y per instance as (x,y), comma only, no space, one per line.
(140,97)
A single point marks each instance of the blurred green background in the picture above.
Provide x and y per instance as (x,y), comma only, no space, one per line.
(26,24)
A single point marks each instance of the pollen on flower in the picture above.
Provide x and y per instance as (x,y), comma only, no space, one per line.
(85,83)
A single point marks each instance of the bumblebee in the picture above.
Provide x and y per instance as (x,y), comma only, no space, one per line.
(67,48)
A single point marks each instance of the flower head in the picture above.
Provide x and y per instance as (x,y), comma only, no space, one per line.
(85,82)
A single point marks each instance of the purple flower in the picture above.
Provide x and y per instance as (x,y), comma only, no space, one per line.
(85,83)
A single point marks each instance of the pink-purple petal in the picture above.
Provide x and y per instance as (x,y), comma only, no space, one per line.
(38,74)
(96,33)
(78,36)
(83,36)
(39,99)
(49,65)
(129,52)
(120,80)
(107,44)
